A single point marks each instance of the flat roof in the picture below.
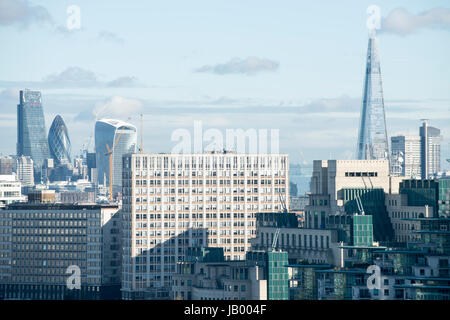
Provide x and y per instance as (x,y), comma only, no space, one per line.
(362,247)
(419,286)
(58,206)
(308,265)
(429,219)
(402,251)
(427,278)
(355,271)
(432,231)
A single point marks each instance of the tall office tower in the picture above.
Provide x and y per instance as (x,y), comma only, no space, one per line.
(59,142)
(430,141)
(25,171)
(44,244)
(31,133)
(6,165)
(372,137)
(119,138)
(405,158)
(175,201)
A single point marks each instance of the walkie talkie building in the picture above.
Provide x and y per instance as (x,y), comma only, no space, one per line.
(121,138)
(372,138)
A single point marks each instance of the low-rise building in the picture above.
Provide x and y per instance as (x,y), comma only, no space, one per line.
(40,243)
(41,196)
(401,215)
(10,190)
(262,276)
(301,244)
(76,197)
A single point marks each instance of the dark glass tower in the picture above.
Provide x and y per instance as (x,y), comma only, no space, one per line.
(372,138)
(31,133)
(59,142)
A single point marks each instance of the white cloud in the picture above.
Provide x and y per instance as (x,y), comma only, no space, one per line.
(72,77)
(401,22)
(110,36)
(117,107)
(22,13)
(247,66)
(75,77)
(125,82)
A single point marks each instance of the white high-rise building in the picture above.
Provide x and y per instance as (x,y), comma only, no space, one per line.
(406,156)
(430,138)
(25,171)
(175,201)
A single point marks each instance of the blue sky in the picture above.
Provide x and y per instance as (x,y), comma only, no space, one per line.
(173,61)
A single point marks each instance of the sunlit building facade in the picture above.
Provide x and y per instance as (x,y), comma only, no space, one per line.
(430,139)
(405,160)
(25,171)
(121,138)
(175,201)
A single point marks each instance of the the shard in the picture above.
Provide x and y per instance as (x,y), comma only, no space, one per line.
(372,137)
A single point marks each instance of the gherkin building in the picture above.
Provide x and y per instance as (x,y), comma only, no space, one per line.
(59,142)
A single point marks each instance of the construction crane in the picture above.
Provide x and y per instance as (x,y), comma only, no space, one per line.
(275,239)
(303,158)
(283,203)
(110,155)
(360,206)
(277,231)
(141,147)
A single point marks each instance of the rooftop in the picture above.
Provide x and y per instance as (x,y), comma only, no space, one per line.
(58,206)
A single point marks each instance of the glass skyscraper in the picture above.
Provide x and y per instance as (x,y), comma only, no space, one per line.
(372,138)
(31,133)
(59,142)
(430,150)
(115,134)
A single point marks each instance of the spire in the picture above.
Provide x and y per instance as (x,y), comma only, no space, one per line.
(372,138)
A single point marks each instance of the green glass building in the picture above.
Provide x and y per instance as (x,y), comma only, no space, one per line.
(444,197)
(278,278)
(362,230)
(275,271)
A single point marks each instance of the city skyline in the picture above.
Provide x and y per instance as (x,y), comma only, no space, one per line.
(297,85)
(205,151)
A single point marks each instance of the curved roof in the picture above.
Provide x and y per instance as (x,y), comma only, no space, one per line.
(117,123)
